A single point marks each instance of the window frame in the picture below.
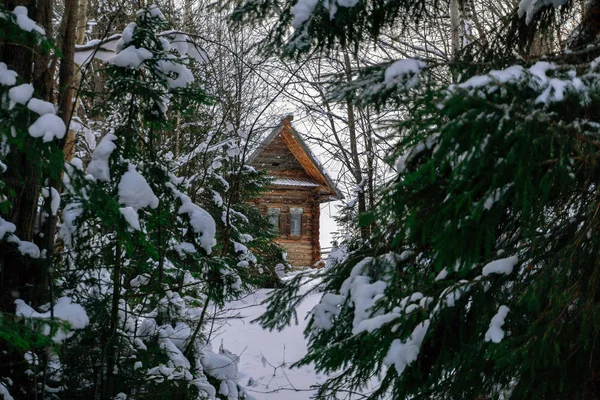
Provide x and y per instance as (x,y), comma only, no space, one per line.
(274,212)
(296,220)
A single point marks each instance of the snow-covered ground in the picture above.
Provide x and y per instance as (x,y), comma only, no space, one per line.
(265,357)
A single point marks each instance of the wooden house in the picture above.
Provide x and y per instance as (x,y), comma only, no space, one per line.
(293,200)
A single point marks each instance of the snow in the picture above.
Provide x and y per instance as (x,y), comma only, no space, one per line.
(239,248)
(554,92)
(200,220)
(332,5)
(20,94)
(64,309)
(101,49)
(372,324)
(347,3)
(540,68)
(55,200)
(6,227)
(502,266)
(8,77)
(98,167)
(134,190)
(175,355)
(326,310)
(507,75)
(400,354)
(245,238)
(139,280)
(221,366)
(155,12)
(180,43)
(31,358)
(364,294)
(68,227)
(48,127)
(495,332)
(126,37)
(184,248)
(295,182)
(131,57)
(26,248)
(26,23)
(404,72)
(552,89)
(183,76)
(131,216)
(442,275)
(529,8)
(415,150)
(265,357)
(302,12)
(495,196)
(4,392)
(41,107)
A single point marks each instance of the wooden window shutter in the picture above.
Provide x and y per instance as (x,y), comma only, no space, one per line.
(304,225)
(284,223)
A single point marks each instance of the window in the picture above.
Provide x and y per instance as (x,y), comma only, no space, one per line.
(295,221)
(274,218)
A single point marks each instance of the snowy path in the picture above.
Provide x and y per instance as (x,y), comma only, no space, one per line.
(260,351)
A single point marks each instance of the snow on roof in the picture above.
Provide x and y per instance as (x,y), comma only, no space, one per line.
(294,182)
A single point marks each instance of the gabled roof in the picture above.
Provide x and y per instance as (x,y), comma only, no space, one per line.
(293,141)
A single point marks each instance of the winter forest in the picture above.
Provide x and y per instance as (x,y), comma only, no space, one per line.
(463,136)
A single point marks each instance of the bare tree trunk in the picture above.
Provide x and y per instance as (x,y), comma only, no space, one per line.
(43,81)
(20,276)
(455,33)
(455,24)
(23,277)
(67,73)
(370,158)
(187,16)
(357,172)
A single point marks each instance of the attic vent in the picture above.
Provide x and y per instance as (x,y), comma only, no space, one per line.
(275,164)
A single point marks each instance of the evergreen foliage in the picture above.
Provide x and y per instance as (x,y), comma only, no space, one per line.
(144,257)
(480,279)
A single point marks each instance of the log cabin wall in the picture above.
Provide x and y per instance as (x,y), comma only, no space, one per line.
(303,249)
(299,186)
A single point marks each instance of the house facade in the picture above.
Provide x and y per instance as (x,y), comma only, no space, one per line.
(299,186)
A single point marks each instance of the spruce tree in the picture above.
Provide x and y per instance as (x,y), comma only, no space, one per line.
(480,279)
(144,259)
(144,256)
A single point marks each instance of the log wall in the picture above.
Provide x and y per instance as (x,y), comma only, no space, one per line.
(303,249)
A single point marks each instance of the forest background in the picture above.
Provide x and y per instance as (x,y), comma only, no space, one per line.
(464,134)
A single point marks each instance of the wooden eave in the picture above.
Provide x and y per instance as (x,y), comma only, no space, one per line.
(303,155)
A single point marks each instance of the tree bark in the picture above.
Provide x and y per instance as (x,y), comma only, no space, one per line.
(357,172)
(66,73)
(455,34)
(20,276)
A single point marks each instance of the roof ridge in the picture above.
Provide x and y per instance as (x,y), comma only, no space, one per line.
(278,131)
